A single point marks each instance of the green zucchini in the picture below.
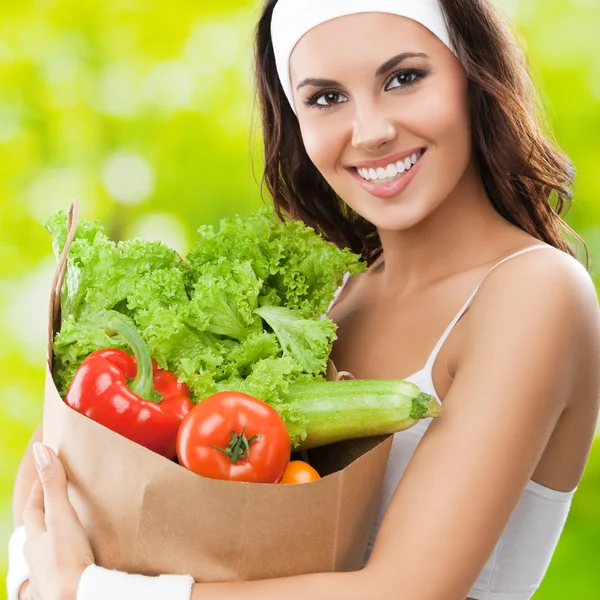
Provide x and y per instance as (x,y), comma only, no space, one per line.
(358,408)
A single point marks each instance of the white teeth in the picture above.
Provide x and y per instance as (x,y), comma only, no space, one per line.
(391,170)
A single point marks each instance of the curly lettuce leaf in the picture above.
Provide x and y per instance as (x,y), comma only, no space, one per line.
(307,341)
(297,267)
(100,273)
(224,298)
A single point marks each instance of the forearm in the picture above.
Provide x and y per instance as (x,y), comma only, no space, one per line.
(319,586)
(98,583)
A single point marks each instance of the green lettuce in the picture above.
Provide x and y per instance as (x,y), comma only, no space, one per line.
(242,311)
(301,339)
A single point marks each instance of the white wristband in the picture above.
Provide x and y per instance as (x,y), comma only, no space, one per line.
(18,569)
(98,583)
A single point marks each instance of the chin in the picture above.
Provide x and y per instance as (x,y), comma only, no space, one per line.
(391,215)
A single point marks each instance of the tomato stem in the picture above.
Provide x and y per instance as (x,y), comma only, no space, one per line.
(238,446)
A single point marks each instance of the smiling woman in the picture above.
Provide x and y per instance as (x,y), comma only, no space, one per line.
(376,109)
(418,142)
(407,130)
(472,89)
(388,176)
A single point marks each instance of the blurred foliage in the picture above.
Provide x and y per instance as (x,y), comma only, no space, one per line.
(142,110)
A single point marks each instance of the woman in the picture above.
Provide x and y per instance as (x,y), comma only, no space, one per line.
(406,130)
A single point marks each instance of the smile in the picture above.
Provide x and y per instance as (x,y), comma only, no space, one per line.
(391,171)
(388,180)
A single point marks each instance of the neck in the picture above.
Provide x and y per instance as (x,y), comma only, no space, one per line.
(464,231)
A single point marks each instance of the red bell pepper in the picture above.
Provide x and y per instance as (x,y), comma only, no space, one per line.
(145,405)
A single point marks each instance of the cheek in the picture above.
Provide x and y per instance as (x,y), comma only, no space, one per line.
(446,123)
(322,142)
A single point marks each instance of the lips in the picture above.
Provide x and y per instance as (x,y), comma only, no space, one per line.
(387,160)
(385,174)
(396,185)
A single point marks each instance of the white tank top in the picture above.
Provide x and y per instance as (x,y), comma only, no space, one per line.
(521,557)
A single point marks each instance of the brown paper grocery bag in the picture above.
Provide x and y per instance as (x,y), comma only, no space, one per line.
(146,514)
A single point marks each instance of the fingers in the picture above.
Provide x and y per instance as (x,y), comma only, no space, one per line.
(33,513)
(54,484)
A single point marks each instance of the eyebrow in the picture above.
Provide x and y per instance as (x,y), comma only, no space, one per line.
(383,69)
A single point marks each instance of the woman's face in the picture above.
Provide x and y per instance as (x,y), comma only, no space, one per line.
(390,129)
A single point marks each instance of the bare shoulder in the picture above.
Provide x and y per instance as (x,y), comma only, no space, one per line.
(534,300)
(550,270)
(537,272)
(538,296)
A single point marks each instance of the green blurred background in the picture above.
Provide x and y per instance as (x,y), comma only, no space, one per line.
(142,110)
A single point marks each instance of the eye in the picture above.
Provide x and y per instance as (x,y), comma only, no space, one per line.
(405,79)
(326,99)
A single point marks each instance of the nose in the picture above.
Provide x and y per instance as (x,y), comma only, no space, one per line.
(371,129)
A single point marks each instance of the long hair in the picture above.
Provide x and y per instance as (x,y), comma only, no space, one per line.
(527,177)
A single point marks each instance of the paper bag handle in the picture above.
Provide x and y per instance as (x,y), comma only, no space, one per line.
(334,375)
(59,276)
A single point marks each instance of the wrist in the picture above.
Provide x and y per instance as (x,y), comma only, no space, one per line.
(70,585)
(98,583)
(18,569)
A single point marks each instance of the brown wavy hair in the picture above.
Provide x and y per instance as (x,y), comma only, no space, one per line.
(527,177)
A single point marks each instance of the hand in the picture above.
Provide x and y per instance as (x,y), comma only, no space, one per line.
(57,549)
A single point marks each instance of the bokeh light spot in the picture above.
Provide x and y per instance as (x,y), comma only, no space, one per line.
(127,177)
(164,227)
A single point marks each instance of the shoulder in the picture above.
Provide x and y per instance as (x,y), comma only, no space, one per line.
(535,287)
(541,271)
(540,306)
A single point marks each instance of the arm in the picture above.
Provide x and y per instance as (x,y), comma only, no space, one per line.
(516,377)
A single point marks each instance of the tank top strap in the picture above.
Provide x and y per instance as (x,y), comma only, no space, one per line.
(337,293)
(460,313)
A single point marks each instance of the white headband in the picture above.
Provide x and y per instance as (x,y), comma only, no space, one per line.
(293,18)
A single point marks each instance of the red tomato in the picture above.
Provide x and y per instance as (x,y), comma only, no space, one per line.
(299,472)
(234,436)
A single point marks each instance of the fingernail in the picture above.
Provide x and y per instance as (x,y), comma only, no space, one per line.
(42,456)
